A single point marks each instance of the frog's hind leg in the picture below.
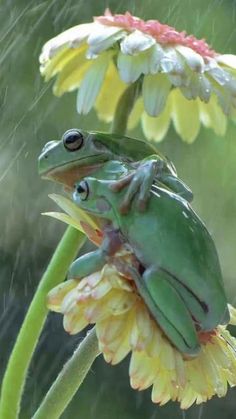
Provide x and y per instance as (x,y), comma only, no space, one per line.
(168,309)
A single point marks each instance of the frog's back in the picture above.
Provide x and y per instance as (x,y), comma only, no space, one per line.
(182,246)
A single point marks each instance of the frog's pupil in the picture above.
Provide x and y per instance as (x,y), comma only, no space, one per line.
(83,190)
(80,189)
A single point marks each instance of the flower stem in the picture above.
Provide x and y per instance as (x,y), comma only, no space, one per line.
(15,375)
(124,107)
(69,379)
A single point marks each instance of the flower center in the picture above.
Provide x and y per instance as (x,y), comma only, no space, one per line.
(164,34)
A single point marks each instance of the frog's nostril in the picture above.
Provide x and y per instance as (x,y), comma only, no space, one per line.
(45,156)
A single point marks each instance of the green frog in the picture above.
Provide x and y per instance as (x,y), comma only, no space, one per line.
(179,275)
(80,153)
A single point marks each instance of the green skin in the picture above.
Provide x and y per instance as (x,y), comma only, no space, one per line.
(180,279)
(81,153)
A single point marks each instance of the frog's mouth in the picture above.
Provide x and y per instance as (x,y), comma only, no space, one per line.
(71,175)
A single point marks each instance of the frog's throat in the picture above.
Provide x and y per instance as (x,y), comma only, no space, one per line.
(71,175)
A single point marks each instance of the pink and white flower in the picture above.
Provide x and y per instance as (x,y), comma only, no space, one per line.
(181,78)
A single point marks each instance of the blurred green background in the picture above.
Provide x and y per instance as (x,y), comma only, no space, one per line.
(30,116)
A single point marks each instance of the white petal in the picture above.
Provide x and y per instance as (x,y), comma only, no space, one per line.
(221,76)
(71,38)
(136,42)
(171,62)
(204,88)
(130,67)
(156,54)
(197,85)
(227,59)
(155,91)
(92,83)
(103,37)
(192,58)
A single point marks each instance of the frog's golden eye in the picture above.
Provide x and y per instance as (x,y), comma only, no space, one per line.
(73,139)
(83,190)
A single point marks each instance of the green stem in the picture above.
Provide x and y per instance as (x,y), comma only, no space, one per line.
(15,375)
(124,107)
(69,379)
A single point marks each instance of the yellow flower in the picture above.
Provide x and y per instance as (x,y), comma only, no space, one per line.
(180,77)
(109,299)
(124,325)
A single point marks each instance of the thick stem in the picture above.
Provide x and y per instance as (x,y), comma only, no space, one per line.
(124,107)
(69,379)
(15,375)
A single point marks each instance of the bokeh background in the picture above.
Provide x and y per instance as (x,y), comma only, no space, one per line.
(30,116)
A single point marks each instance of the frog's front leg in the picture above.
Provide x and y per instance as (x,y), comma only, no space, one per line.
(168,309)
(87,264)
(176,185)
(140,182)
(94,261)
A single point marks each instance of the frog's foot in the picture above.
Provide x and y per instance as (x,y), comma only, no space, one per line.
(87,264)
(140,182)
(168,309)
(208,312)
(176,185)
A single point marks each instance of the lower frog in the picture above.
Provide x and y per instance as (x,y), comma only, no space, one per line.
(180,277)
(81,153)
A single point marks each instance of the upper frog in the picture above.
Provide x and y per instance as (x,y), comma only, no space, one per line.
(80,153)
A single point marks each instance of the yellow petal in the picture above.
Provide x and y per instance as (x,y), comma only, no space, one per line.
(74,322)
(110,93)
(227,59)
(144,324)
(72,73)
(65,219)
(94,311)
(142,370)
(167,356)
(135,115)
(232,312)
(73,210)
(155,346)
(187,398)
(155,128)
(180,369)
(160,392)
(185,115)
(57,63)
(117,350)
(212,116)
(108,329)
(58,293)
(196,377)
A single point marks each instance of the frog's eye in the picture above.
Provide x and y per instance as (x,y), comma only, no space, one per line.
(83,190)
(73,139)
